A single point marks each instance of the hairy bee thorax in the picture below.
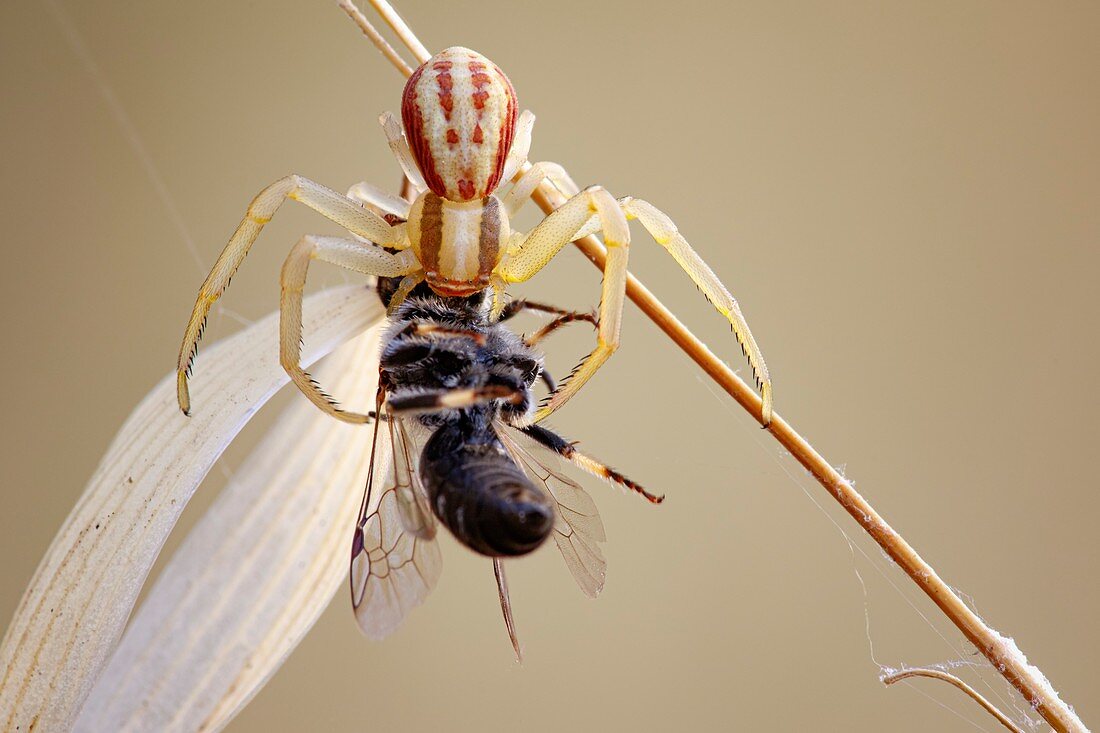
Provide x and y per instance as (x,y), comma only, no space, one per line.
(458,244)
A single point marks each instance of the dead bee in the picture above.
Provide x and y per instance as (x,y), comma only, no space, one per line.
(461,384)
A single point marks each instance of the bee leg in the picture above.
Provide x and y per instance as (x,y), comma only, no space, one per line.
(569,452)
(562,320)
(565,317)
(453,399)
(421,328)
(548,380)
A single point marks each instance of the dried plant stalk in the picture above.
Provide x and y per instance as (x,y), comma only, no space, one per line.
(1001,651)
(951,679)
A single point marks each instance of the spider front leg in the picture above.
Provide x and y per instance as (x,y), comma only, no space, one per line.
(664,232)
(572,220)
(379,200)
(330,204)
(534,176)
(349,254)
(399,146)
(524,186)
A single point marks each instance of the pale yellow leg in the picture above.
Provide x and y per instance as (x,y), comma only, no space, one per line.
(399,146)
(546,240)
(403,289)
(664,232)
(498,286)
(340,209)
(523,188)
(521,145)
(379,200)
(349,254)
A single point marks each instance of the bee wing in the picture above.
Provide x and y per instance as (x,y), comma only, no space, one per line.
(395,560)
(578,529)
(412,499)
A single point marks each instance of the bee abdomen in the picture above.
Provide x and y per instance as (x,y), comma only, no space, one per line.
(482,496)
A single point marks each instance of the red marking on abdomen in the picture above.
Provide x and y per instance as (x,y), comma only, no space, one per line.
(490,96)
(414,128)
(480,80)
(507,131)
(445,83)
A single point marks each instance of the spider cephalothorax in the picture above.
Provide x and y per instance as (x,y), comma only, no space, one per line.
(461,139)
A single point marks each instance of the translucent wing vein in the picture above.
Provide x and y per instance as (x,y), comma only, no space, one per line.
(578,529)
(395,560)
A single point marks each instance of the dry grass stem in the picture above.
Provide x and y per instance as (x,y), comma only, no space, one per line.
(953,680)
(1001,651)
(395,22)
(375,37)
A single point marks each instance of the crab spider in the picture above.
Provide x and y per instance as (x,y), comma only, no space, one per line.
(460,138)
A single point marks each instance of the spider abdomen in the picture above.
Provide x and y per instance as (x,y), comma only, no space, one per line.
(480,494)
(459,113)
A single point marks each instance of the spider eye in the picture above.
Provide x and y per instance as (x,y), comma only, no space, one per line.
(459,113)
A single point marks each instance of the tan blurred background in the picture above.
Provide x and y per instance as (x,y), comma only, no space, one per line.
(904,197)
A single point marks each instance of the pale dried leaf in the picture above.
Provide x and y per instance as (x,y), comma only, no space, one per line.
(73,613)
(255,573)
